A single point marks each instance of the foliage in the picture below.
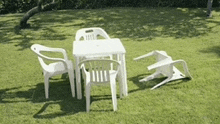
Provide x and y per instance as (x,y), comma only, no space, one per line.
(184,33)
(11,6)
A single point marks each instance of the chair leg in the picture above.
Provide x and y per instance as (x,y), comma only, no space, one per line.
(161,83)
(113,90)
(46,86)
(150,77)
(121,89)
(71,78)
(119,78)
(88,97)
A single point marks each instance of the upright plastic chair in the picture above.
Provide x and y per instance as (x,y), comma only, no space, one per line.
(93,33)
(90,34)
(165,66)
(59,66)
(99,71)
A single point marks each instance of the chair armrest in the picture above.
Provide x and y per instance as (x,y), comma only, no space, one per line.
(37,48)
(63,51)
(185,68)
(52,59)
(144,56)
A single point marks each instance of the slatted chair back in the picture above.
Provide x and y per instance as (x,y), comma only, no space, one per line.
(100,69)
(90,34)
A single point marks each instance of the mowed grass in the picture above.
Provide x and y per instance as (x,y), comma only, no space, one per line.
(183,33)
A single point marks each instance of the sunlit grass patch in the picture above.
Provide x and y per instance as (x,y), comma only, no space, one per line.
(184,33)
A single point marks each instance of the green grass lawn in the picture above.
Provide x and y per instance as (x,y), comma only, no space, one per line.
(183,33)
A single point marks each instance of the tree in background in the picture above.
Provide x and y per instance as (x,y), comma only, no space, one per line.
(209,7)
(40,7)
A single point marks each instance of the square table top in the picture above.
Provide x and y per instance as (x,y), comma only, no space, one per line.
(98,47)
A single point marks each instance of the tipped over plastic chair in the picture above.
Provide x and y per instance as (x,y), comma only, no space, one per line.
(99,72)
(58,66)
(165,66)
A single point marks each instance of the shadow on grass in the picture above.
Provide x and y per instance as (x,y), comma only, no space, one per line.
(59,95)
(149,84)
(138,24)
(68,106)
(213,49)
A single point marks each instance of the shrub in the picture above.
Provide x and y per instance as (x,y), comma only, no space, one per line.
(12,6)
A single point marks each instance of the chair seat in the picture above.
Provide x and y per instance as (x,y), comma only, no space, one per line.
(57,67)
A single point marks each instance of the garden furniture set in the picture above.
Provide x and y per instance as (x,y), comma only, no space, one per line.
(102,61)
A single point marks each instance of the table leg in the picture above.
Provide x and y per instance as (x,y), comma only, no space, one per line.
(123,74)
(78,79)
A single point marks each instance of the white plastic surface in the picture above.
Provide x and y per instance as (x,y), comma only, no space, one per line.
(165,66)
(102,47)
(91,34)
(59,66)
(99,72)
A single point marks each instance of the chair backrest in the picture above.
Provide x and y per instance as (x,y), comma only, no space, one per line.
(90,34)
(99,69)
(37,48)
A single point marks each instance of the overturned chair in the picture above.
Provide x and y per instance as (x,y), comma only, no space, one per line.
(165,66)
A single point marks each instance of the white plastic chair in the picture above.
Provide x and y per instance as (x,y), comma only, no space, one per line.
(99,71)
(165,66)
(59,66)
(90,34)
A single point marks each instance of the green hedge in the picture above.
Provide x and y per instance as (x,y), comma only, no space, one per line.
(12,6)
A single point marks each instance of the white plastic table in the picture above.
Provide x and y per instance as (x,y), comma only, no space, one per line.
(100,47)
